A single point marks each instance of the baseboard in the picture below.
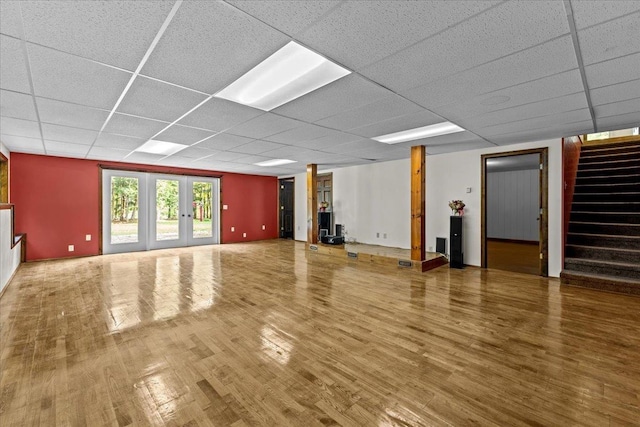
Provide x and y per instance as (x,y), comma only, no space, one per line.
(521,242)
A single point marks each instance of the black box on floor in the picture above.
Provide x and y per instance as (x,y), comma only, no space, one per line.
(332,240)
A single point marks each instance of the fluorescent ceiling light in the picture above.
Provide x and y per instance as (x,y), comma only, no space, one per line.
(288,74)
(160,147)
(275,162)
(419,133)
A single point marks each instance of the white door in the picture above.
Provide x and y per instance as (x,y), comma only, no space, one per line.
(168,211)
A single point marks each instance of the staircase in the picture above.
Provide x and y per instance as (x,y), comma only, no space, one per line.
(603,243)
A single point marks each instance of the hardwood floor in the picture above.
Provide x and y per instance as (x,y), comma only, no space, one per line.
(266,334)
(512,256)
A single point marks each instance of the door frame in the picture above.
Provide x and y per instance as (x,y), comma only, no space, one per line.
(280,225)
(543,197)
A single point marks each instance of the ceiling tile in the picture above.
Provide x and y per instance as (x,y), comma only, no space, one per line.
(291,153)
(104,153)
(68,134)
(208,45)
(617,92)
(305,132)
(13,68)
(65,148)
(334,138)
(134,126)
(17,105)
(224,141)
(397,124)
(463,146)
(610,40)
(250,160)
(614,71)
(541,61)
(191,153)
(265,125)
(344,94)
(552,132)
(617,108)
(21,144)
(359,145)
(157,100)
(588,12)
(452,138)
(18,127)
(10,18)
(359,33)
(383,109)
(503,30)
(145,158)
(256,147)
(530,124)
(226,156)
(288,16)
(87,29)
(68,78)
(120,142)
(63,113)
(624,121)
(183,135)
(219,114)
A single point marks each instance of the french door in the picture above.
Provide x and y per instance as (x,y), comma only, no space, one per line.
(152,211)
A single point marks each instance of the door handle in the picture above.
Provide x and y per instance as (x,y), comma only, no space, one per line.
(182,214)
(188,215)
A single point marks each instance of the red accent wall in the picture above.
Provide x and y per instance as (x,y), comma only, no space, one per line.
(57,203)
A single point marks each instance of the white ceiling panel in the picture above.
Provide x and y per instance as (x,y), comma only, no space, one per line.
(139,157)
(624,121)
(589,12)
(503,30)
(10,19)
(541,61)
(157,100)
(359,33)
(610,40)
(617,108)
(288,152)
(119,142)
(344,94)
(384,109)
(208,45)
(183,135)
(289,16)
(359,145)
(104,153)
(138,127)
(68,78)
(256,147)
(463,146)
(226,156)
(265,125)
(22,144)
(333,139)
(65,148)
(542,133)
(13,68)
(540,123)
(195,152)
(63,113)
(87,28)
(19,127)
(17,105)
(618,70)
(397,124)
(616,93)
(224,141)
(305,132)
(68,134)
(452,138)
(219,114)
(250,160)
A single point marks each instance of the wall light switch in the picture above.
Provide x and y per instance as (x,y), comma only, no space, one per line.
(244,234)
(233,229)
(468,189)
(87,237)
(264,227)
(225,207)
(71,248)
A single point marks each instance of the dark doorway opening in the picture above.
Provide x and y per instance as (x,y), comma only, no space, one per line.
(287,208)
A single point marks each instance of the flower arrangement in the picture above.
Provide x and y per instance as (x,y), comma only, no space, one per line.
(457,207)
(323,206)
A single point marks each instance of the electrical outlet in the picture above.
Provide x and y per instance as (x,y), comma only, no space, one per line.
(71,248)
(384,236)
(377,235)
(87,237)
(233,229)
(244,234)
(430,248)
(298,228)
(225,207)
(264,227)
(468,189)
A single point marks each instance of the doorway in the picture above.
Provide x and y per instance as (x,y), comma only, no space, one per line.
(515,211)
(142,211)
(287,208)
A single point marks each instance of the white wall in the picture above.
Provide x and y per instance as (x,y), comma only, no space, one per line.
(9,258)
(367,200)
(448,175)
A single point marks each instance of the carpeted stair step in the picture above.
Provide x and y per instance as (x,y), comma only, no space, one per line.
(603,240)
(603,228)
(603,282)
(628,162)
(604,171)
(631,207)
(606,217)
(616,269)
(606,179)
(611,187)
(609,157)
(603,254)
(595,150)
(606,197)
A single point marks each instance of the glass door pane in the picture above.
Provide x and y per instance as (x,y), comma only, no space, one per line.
(202,193)
(167,209)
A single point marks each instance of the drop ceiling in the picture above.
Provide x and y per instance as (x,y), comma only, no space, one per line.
(96,80)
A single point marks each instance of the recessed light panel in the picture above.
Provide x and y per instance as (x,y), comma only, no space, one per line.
(288,74)
(275,162)
(419,133)
(160,147)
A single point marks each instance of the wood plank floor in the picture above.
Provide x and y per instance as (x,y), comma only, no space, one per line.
(267,334)
(515,257)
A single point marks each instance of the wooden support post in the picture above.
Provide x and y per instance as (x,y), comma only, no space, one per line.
(312,203)
(418,203)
